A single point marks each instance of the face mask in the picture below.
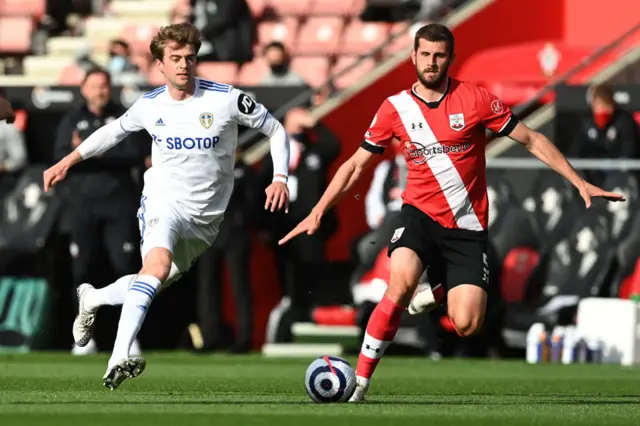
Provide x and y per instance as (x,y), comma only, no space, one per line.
(602,118)
(303,138)
(117,63)
(280,69)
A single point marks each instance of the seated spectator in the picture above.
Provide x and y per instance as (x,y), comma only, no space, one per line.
(121,67)
(608,131)
(277,57)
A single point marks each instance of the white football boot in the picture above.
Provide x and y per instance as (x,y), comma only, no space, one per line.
(361,389)
(90,349)
(125,369)
(423,301)
(83,324)
(135,350)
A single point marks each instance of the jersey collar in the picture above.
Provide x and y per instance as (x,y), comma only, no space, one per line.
(433,104)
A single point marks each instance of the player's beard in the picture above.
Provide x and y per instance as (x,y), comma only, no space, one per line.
(437,81)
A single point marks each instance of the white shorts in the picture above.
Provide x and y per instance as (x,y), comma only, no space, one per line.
(164,226)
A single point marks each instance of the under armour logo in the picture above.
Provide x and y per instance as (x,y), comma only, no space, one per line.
(369,348)
(418,125)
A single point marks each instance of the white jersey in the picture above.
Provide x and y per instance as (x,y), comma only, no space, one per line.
(194,144)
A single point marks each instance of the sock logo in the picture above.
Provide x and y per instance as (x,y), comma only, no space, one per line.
(143,308)
(369,348)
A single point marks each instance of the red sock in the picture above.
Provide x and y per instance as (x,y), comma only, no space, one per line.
(381,330)
(438,293)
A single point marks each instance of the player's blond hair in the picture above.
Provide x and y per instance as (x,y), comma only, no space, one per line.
(182,34)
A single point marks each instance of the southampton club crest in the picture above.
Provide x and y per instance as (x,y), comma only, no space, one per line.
(456,121)
(206,119)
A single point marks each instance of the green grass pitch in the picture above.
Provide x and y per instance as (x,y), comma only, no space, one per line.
(180,389)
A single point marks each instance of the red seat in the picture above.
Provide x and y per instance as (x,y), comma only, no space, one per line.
(257,7)
(320,36)
(33,8)
(15,34)
(404,39)
(284,31)
(314,70)
(353,75)
(331,7)
(222,72)
(139,37)
(71,75)
(362,37)
(290,7)
(252,73)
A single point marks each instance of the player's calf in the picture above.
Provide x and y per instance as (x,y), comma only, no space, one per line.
(157,263)
(466,308)
(406,269)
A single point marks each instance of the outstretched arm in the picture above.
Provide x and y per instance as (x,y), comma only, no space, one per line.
(546,151)
(99,142)
(348,174)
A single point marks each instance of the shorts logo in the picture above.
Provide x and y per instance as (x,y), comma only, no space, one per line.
(206,119)
(456,121)
(397,234)
(485,268)
(152,222)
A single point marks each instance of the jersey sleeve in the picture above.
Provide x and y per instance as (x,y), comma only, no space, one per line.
(246,111)
(494,114)
(380,132)
(132,120)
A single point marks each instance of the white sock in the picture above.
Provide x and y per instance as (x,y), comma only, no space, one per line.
(134,310)
(112,295)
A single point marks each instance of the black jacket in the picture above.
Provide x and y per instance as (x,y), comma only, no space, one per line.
(619,139)
(321,149)
(109,175)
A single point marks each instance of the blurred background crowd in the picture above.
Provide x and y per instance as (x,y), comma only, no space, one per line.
(322,67)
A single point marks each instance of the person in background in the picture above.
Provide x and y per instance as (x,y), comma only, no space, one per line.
(233,245)
(227,29)
(609,131)
(120,66)
(313,149)
(382,208)
(279,74)
(100,194)
(13,150)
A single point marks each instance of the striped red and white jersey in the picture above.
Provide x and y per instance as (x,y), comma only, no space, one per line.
(444,145)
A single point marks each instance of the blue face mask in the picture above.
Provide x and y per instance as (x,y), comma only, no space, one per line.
(117,63)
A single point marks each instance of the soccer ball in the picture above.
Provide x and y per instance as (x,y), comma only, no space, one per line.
(330,379)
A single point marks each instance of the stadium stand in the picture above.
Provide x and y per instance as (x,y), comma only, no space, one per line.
(323,37)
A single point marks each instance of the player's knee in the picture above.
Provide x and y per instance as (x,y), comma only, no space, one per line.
(406,269)
(467,324)
(157,263)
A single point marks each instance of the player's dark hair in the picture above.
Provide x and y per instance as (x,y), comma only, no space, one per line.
(96,70)
(435,33)
(276,45)
(603,92)
(120,42)
(183,34)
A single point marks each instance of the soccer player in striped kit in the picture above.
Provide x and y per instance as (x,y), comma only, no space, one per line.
(440,122)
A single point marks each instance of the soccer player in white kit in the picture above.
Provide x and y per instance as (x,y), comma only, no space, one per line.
(194,126)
